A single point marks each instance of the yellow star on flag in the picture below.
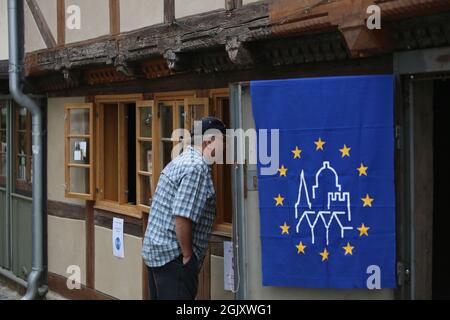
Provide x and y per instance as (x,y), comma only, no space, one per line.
(297,153)
(324,255)
(279,200)
(362,170)
(345,151)
(319,143)
(363,230)
(282,171)
(301,248)
(348,249)
(367,201)
(284,229)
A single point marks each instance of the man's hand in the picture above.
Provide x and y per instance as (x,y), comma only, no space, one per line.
(183,229)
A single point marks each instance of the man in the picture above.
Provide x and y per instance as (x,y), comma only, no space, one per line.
(182,216)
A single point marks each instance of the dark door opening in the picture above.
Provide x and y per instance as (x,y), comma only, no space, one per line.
(441,218)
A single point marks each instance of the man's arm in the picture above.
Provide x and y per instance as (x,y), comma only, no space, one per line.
(183,229)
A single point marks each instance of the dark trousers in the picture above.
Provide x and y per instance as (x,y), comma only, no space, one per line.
(174,281)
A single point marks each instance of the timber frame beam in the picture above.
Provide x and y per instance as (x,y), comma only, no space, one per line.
(232,31)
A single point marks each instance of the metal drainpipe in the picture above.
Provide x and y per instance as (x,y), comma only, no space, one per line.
(37,273)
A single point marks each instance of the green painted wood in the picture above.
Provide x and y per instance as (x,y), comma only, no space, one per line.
(21,237)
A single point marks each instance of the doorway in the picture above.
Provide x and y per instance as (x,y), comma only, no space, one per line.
(431,279)
(441,219)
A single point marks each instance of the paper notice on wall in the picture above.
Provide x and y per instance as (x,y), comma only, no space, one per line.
(117,238)
(228,266)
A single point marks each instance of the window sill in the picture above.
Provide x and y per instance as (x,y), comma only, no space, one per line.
(125,210)
(223,230)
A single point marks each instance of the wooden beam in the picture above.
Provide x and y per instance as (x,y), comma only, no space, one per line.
(61,18)
(58,284)
(41,23)
(250,22)
(169,11)
(238,53)
(114,16)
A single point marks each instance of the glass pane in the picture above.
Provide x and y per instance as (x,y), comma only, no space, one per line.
(22,168)
(146,122)
(79,180)
(166,121)
(22,144)
(198,112)
(182,117)
(146,157)
(146,190)
(23,119)
(3,141)
(3,115)
(79,151)
(79,121)
(2,165)
(181,122)
(166,155)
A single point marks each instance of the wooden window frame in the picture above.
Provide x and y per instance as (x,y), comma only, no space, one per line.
(139,140)
(91,138)
(175,99)
(220,227)
(119,207)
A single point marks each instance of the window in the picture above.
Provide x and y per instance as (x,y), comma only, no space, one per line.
(22,152)
(222,173)
(144,153)
(116,155)
(119,164)
(3,141)
(79,155)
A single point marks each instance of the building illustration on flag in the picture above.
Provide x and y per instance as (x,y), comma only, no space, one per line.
(327,217)
(337,211)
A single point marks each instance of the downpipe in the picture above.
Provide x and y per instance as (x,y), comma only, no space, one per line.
(37,274)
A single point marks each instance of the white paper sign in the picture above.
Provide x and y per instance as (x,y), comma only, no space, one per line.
(77,155)
(117,238)
(228,266)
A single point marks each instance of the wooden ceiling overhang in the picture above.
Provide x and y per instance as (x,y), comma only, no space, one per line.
(278,32)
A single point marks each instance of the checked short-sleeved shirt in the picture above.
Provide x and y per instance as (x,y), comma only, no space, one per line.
(184,189)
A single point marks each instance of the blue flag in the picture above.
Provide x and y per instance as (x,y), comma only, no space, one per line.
(328,214)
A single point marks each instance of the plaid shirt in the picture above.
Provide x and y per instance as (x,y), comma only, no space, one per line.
(185,189)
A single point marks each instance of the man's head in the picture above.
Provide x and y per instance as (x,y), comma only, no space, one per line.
(209,133)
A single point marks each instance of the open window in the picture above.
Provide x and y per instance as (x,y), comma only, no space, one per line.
(145,133)
(116,151)
(79,151)
(116,148)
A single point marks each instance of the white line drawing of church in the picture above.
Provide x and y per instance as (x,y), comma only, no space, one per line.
(327,217)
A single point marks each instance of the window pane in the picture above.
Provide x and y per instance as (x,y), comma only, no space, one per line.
(166,155)
(146,157)
(2,166)
(79,151)
(146,187)
(79,121)
(181,122)
(166,121)
(146,122)
(3,115)
(22,168)
(79,180)
(23,119)
(198,112)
